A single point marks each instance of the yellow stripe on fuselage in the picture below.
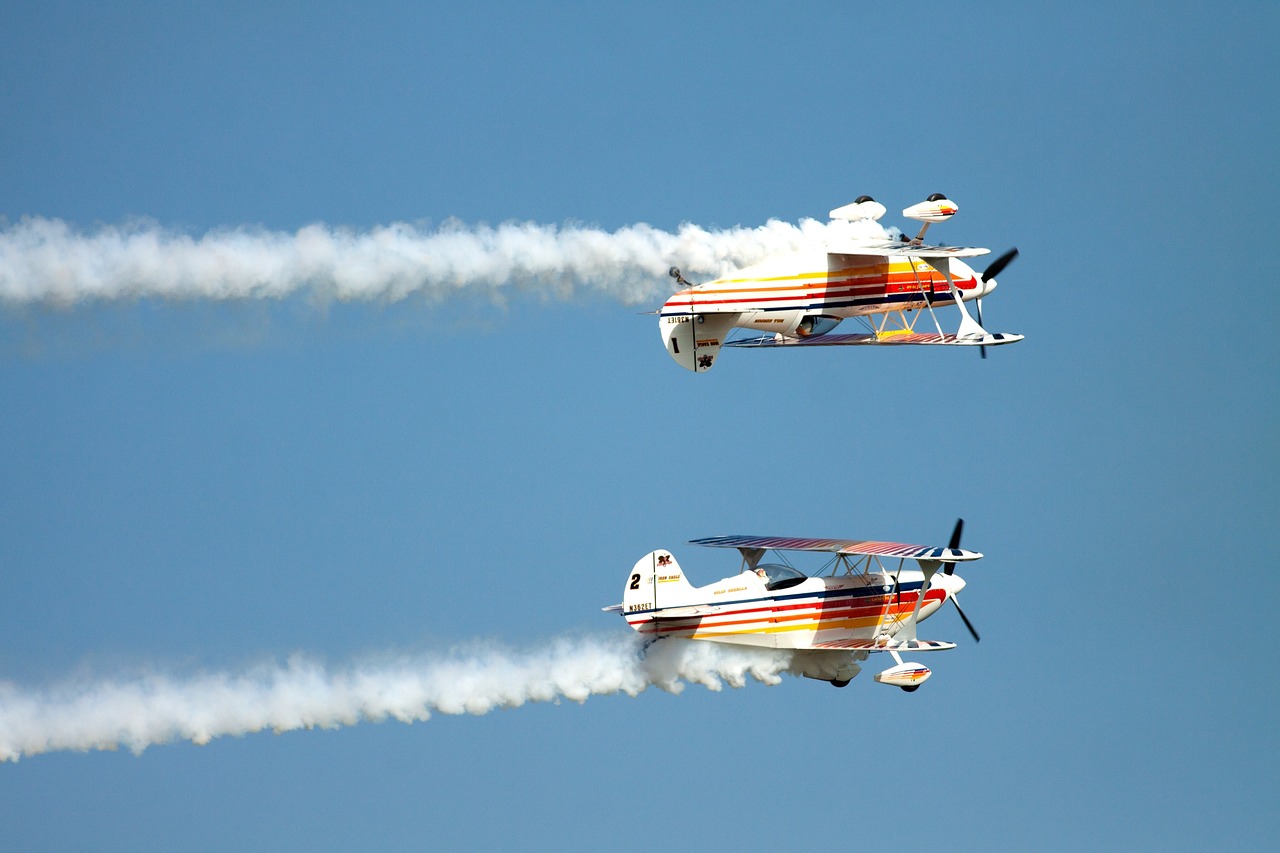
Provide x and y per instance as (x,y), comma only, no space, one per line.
(811,625)
(848,272)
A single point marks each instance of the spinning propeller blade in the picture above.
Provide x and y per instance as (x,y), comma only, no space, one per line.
(967,623)
(949,568)
(982,350)
(997,266)
(994,269)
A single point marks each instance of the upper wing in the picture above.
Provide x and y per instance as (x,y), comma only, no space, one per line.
(841,546)
(897,250)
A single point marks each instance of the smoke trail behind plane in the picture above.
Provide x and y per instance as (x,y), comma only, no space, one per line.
(303,693)
(49,261)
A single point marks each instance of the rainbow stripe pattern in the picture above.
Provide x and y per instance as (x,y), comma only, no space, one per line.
(849,547)
(822,612)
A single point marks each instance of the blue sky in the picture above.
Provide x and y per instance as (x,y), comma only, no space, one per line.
(191,486)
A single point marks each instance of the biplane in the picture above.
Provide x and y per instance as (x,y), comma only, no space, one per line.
(798,299)
(864,601)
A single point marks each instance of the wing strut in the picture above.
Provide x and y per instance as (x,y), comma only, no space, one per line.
(969,327)
(908,630)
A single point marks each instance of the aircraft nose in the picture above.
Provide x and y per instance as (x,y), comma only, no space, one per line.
(951,583)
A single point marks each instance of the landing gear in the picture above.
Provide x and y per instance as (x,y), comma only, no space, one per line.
(840,682)
(912,689)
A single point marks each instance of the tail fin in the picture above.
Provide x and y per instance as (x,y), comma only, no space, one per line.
(694,340)
(656,581)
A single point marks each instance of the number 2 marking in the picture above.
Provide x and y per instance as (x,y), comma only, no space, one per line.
(635,582)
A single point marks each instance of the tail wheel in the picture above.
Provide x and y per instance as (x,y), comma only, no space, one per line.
(840,682)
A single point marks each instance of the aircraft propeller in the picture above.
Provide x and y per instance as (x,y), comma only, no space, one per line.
(993,269)
(965,619)
(997,266)
(949,568)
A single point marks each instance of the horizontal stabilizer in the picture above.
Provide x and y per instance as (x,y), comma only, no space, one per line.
(884,339)
(685,612)
(887,645)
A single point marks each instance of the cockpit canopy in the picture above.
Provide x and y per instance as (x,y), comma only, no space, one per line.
(778,576)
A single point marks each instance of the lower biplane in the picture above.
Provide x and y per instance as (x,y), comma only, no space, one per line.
(798,299)
(865,601)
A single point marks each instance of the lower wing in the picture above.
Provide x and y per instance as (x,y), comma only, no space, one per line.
(887,645)
(883,339)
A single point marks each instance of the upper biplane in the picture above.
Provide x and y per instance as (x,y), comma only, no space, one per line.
(865,601)
(797,300)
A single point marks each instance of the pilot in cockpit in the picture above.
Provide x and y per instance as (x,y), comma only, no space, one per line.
(776,576)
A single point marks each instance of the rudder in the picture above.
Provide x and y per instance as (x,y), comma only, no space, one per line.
(694,340)
(656,581)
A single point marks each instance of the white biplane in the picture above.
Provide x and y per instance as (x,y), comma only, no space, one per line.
(866,601)
(797,300)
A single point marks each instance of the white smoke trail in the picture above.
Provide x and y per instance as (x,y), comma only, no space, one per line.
(48,261)
(143,711)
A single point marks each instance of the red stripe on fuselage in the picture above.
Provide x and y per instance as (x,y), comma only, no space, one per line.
(823,610)
(832,291)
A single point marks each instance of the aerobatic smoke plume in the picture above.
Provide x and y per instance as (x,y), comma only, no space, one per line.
(47,261)
(301,694)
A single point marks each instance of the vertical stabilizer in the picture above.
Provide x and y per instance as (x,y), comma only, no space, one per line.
(656,581)
(694,340)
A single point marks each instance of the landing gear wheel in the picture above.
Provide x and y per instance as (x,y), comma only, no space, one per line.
(912,689)
(838,682)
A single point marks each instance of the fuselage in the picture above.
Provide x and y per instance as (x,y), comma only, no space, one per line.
(778,295)
(741,610)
